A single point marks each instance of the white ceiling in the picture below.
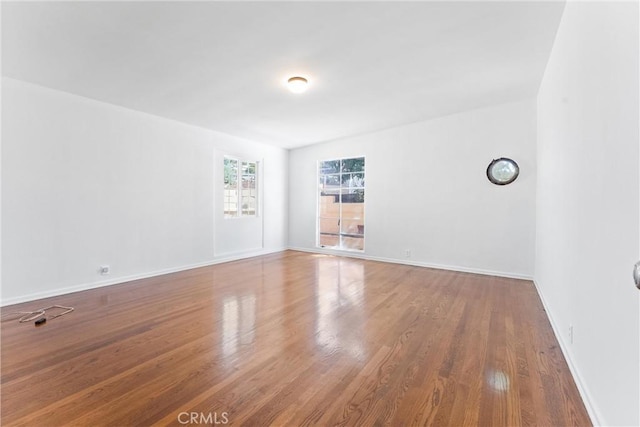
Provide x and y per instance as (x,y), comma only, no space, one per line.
(222,65)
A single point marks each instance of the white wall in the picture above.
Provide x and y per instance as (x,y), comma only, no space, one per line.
(587,202)
(427,191)
(86,183)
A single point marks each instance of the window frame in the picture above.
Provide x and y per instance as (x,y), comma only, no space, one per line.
(240,179)
(339,191)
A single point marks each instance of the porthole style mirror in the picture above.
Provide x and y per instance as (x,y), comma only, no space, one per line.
(503,171)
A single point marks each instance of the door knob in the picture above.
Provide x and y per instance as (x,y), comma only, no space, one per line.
(636,274)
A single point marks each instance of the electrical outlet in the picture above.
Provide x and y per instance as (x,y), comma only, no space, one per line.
(571,334)
(407,253)
(104,270)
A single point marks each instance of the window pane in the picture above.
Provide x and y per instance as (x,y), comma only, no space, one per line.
(332,166)
(329,206)
(248,205)
(350,195)
(329,231)
(352,226)
(352,243)
(230,172)
(329,226)
(249,194)
(357,180)
(248,167)
(353,211)
(352,219)
(329,241)
(353,165)
(230,187)
(330,184)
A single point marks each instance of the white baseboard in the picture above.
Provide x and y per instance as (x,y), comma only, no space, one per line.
(123,279)
(415,263)
(575,372)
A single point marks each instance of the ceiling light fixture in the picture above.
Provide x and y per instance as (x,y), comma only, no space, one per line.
(502,171)
(297,84)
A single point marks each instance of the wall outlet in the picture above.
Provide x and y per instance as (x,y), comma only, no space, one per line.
(104,270)
(570,334)
(407,253)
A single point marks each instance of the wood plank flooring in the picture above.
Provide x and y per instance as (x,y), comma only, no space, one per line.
(292,339)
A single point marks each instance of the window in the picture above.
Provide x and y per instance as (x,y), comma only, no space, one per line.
(341,204)
(240,188)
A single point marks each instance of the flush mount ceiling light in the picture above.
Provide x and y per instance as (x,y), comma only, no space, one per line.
(503,171)
(297,84)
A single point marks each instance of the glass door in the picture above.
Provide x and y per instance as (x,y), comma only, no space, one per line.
(341,204)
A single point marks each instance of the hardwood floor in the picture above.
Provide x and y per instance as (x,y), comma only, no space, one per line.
(292,339)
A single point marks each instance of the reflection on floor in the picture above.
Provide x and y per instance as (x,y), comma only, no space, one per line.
(292,339)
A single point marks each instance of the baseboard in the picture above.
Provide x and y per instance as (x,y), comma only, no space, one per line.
(575,372)
(415,263)
(123,279)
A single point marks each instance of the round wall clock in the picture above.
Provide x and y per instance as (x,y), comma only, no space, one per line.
(502,171)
